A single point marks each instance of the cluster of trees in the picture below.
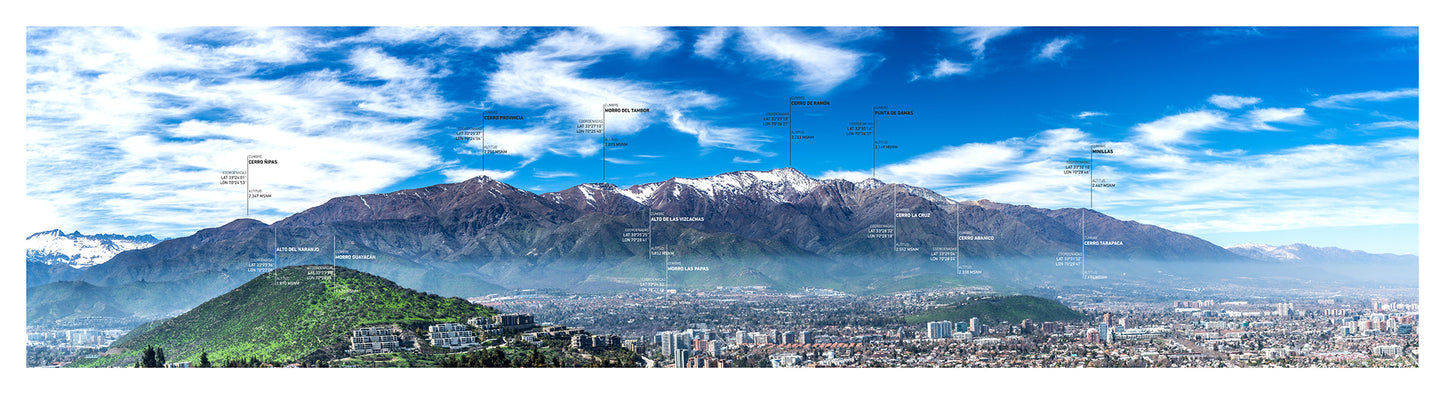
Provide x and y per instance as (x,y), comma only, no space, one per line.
(258,363)
(152,357)
(155,357)
(294,322)
(615,358)
(495,358)
(488,358)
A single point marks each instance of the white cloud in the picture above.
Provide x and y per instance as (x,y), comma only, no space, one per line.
(371,62)
(851,33)
(1233,32)
(1261,118)
(948,166)
(977,38)
(1181,188)
(1089,114)
(468,37)
(849,175)
(943,69)
(128,130)
(716,136)
(746,161)
(268,45)
(640,42)
(1392,124)
(531,79)
(455,175)
(1401,31)
(1232,102)
(1177,128)
(532,143)
(1343,101)
(710,44)
(553,174)
(1053,49)
(550,75)
(816,66)
(1284,190)
(932,168)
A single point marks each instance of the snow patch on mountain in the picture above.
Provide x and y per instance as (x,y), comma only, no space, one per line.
(591,191)
(1266,252)
(78,250)
(774,185)
(870,184)
(640,193)
(777,185)
(1302,253)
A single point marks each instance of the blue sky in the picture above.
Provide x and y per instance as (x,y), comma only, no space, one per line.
(1271,135)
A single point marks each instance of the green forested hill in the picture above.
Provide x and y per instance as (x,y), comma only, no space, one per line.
(284,316)
(991,310)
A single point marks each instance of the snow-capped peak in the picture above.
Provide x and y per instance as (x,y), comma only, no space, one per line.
(640,193)
(1281,253)
(78,250)
(870,183)
(590,189)
(779,185)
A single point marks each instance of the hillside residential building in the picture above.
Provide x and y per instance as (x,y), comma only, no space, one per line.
(514,322)
(451,336)
(367,340)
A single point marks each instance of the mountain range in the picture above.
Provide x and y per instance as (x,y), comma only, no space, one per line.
(776,228)
(1359,265)
(54,255)
(1306,254)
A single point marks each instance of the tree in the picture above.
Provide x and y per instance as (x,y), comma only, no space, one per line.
(494,358)
(535,359)
(148,357)
(160,357)
(205,361)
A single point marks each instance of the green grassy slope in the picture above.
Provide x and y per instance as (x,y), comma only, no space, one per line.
(285,316)
(991,310)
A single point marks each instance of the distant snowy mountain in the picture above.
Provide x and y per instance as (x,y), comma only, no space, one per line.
(78,250)
(1301,253)
(1265,252)
(777,186)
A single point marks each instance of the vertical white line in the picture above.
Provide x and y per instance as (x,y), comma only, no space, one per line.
(248,187)
(604,143)
(484,142)
(1082,236)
